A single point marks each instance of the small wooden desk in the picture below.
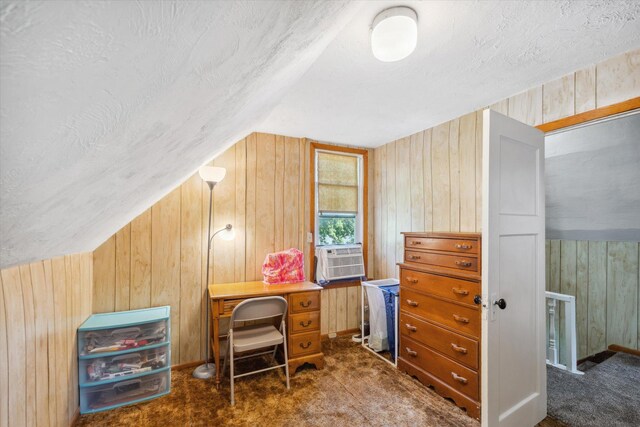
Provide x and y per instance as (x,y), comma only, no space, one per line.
(303,319)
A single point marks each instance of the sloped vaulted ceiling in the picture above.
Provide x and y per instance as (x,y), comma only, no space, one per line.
(106,106)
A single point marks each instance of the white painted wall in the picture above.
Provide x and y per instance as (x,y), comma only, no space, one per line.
(593,181)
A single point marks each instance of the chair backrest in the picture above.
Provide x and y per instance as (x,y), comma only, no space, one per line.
(259,309)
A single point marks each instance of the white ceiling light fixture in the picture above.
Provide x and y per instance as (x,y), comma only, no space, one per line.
(394,33)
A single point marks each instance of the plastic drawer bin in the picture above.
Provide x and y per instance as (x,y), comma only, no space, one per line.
(132,364)
(124,358)
(127,391)
(122,338)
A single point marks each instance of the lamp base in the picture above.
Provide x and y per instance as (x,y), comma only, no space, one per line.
(205,371)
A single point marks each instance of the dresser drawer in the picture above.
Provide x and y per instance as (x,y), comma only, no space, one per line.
(448,287)
(459,262)
(441,244)
(459,317)
(457,347)
(304,301)
(304,322)
(301,344)
(453,374)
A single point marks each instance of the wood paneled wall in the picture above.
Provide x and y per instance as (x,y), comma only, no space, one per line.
(160,257)
(41,306)
(603,276)
(431,181)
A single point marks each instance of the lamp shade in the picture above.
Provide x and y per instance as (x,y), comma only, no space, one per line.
(394,34)
(212,174)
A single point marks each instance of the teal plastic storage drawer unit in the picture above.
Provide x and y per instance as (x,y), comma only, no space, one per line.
(124,358)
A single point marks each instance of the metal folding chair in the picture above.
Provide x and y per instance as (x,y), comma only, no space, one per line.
(254,337)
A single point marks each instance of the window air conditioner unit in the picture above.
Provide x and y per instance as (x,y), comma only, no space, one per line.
(339,262)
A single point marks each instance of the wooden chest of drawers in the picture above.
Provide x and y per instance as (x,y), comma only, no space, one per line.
(439,321)
(304,330)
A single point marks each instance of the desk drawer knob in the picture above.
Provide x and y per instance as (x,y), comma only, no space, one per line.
(411,353)
(412,280)
(460,319)
(305,324)
(305,346)
(305,305)
(412,303)
(458,378)
(463,263)
(416,242)
(460,291)
(414,257)
(459,349)
(460,246)
(411,327)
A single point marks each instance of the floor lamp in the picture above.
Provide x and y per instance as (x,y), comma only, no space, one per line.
(211,175)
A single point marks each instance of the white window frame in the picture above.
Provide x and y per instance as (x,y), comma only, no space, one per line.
(360,214)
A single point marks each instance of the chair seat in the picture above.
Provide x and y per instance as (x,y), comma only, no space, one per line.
(254,337)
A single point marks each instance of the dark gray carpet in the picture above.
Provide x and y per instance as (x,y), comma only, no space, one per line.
(608,394)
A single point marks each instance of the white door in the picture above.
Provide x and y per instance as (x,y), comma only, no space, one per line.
(514,376)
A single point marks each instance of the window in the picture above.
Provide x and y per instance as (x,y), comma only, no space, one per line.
(339,197)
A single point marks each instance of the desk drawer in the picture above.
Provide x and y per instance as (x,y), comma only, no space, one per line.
(459,317)
(301,344)
(304,322)
(227,305)
(458,262)
(447,287)
(453,374)
(457,347)
(302,302)
(439,244)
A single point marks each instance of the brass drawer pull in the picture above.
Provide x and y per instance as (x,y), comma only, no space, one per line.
(463,263)
(458,378)
(460,291)
(414,256)
(304,325)
(460,246)
(412,280)
(416,242)
(305,346)
(459,349)
(460,319)
(411,327)
(305,305)
(412,303)
(411,352)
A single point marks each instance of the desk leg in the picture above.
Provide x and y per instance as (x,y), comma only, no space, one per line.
(216,348)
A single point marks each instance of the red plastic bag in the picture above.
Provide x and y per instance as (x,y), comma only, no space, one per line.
(284,267)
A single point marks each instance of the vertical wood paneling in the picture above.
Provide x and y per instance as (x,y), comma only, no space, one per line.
(251,209)
(291,194)
(441,178)
(467,155)
(618,79)
(558,99)
(416,158)
(239,222)
(392,237)
(582,296)
(265,200)
(341,309)
(622,294)
(454,173)
(585,90)
(402,193)
(36,339)
(191,295)
(104,261)
(428,180)
(501,107)
(568,286)
(123,268)
(278,193)
(478,171)
(140,289)
(377,216)
(324,312)
(165,261)
(384,215)
(332,296)
(554,266)
(527,106)
(597,298)
(224,202)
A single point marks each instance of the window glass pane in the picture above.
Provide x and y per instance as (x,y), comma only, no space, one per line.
(336,230)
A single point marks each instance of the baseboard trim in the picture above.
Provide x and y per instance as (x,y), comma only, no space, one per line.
(341,333)
(619,348)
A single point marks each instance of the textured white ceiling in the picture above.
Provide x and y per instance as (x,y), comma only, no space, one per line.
(469,55)
(106,106)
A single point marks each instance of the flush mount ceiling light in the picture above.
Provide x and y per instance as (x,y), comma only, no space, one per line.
(394,34)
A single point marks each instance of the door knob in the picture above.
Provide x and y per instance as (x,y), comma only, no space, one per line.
(477,299)
(501,303)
